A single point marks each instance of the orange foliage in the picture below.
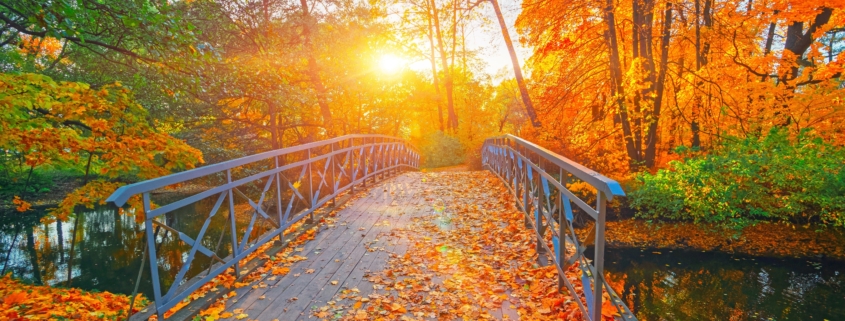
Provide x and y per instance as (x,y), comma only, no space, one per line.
(21,301)
(102,132)
(717,77)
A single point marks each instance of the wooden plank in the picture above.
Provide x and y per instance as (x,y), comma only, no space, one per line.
(350,214)
(345,248)
(340,268)
(353,276)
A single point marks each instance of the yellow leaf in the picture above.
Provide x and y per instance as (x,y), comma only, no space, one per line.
(281,271)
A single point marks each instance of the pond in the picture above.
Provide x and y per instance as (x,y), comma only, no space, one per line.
(665,285)
(108,250)
(689,285)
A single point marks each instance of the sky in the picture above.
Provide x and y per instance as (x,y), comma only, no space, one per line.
(498,60)
(488,39)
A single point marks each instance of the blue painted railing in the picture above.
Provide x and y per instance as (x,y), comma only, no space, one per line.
(538,179)
(289,185)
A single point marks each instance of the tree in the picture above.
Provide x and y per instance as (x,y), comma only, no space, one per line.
(711,69)
(102,133)
(517,71)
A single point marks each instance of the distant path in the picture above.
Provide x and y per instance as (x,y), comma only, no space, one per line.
(455,168)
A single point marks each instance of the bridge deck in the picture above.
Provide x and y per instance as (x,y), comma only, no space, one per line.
(358,245)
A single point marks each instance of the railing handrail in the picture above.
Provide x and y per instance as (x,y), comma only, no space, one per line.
(605,184)
(122,194)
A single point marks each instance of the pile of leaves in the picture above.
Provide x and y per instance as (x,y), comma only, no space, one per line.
(482,266)
(37,302)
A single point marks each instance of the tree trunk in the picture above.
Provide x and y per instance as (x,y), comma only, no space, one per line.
(453,117)
(313,68)
(797,41)
(434,72)
(651,139)
(770,38)
(520,81)
(617,87)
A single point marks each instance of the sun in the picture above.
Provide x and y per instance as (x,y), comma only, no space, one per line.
(391,64)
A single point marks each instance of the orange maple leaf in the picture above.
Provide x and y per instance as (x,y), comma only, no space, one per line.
(14,299)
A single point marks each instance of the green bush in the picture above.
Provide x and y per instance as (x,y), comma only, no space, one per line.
(439,149)
(773,178)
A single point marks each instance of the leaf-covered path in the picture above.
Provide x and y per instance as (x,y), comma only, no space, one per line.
(420,246)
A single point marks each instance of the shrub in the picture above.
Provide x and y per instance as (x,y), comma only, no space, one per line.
(439,149)
(772,177)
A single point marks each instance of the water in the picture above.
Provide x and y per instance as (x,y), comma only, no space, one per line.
(108,250)
(677,285)
(684,285)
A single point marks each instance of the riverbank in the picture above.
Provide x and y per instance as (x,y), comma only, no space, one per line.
(763,239)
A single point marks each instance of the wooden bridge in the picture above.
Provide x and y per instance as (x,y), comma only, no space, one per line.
(349,228)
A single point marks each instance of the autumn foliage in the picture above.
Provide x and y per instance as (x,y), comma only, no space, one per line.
(633,80)
(101,132)
(38,302)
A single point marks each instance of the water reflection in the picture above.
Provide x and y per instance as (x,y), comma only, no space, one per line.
(712,286)
(108,249)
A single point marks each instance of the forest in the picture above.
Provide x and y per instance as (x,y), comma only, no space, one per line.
(695,103)
(727,114)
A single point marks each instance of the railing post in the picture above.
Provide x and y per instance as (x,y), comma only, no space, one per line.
(334,178)
(525,183)
(538,218)
(598,277)
(561,231)
(151,249)
(232,221)
(362,160)
(310,189)
(351,161)
(279,210)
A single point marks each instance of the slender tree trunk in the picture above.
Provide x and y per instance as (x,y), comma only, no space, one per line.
(450,103)
(434,72)
(696,106)
(464,47)
(313,68)
(520,81)
(618,88)
(454,34)
(639,44)
(651,140)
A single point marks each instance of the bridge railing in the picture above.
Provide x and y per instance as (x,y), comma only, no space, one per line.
(259,197)
(538,179)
